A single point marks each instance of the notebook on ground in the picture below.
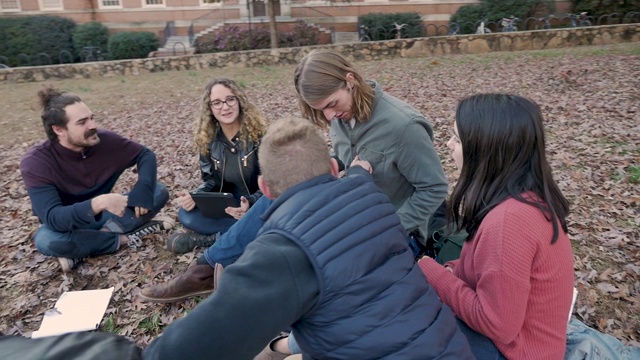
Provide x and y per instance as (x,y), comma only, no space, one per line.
(212,204)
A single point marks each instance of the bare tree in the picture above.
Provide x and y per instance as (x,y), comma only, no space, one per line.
(273,31)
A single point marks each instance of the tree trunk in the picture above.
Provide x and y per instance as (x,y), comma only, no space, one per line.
(272,24)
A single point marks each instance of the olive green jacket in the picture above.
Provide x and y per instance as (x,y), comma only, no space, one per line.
(398,142)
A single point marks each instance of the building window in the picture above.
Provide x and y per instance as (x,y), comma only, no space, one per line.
(153,3)
(109,4)
(9,5)
(211,2)
(51,5)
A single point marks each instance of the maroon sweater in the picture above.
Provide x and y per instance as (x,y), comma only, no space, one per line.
(510,283)
(62,182)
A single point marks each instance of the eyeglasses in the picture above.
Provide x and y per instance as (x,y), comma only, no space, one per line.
(217,104)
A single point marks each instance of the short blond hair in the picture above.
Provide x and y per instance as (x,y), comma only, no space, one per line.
(292,152)
(323,72)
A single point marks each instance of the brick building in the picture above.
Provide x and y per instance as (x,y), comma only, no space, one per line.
(198,15)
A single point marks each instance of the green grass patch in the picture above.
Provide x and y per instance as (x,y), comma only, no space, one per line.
(634,174)
(151,323)
(109,325)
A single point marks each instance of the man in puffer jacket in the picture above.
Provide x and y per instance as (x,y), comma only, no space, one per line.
(331,262)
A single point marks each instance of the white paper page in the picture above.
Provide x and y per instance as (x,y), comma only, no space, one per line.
(75,311)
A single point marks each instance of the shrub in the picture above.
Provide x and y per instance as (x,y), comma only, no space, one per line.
(90,34)
(468,16)
(233,38)
(24,40)
(604,7)
(132,45)
(381,26)
(302,34)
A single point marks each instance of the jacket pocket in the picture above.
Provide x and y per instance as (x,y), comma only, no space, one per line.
(377,160)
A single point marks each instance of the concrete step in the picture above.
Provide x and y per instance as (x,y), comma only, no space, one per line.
(260,20)
(177,42)
(165,53)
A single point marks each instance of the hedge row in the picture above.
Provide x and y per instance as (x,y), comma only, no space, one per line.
(40,40)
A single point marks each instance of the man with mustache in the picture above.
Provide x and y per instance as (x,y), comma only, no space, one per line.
(69,179)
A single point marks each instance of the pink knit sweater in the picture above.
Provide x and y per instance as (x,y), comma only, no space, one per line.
(510,283)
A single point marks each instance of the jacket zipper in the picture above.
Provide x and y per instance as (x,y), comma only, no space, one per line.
(224,165)
(245,161)
(246,157)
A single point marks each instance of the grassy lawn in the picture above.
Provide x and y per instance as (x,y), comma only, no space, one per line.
(589,96)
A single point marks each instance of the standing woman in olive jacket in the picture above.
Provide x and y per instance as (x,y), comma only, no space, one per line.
(227,135)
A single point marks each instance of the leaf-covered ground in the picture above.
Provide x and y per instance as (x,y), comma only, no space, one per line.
(590,97)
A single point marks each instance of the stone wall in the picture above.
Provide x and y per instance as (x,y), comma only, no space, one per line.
(418,47)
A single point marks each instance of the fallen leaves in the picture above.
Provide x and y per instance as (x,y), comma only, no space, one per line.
(589,97)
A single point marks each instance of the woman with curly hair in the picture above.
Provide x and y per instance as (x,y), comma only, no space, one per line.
(227,135)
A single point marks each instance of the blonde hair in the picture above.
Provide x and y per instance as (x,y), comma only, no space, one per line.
(323,72)
(291,152)
(252,122)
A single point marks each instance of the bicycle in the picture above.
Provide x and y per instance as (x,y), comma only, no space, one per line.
(398,29)
(547,22)
(481,29)
(92,53)
(579,20)
(364,30)
(454,29)
(509,24)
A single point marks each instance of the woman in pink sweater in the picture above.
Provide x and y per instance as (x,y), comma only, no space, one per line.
(512,287)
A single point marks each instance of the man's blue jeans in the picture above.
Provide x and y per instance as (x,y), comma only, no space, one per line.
(481,346)
(585,343)
(228,248)
(196,221)
(89,240)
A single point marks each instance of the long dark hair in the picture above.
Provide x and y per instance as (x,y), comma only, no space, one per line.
(503,151)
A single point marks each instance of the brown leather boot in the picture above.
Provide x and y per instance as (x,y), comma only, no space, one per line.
(197,280)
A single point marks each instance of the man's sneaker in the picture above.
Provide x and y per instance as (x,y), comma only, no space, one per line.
(181,243)
(157,224)
(68,264)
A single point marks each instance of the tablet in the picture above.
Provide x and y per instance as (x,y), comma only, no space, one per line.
(212,204)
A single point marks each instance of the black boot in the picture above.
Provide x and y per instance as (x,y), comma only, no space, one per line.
(181,243)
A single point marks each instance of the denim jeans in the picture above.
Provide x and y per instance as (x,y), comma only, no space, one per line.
(196,221)
(585,343)
(228,248)
(481,346)
(89,240)
(294,348)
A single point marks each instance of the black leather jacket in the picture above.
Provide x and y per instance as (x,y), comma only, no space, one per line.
(214,165)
